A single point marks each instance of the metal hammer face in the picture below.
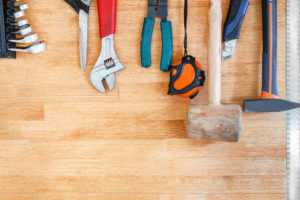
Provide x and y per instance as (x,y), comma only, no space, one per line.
(269,105)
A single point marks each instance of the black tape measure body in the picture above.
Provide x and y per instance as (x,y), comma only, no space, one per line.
(186,78)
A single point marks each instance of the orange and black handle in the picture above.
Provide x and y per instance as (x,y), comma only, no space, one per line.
(269,76)
(186,78)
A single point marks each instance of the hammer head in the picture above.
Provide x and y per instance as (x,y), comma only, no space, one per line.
(215,122)
(269,105)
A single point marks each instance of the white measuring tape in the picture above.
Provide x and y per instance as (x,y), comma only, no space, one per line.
(293,94)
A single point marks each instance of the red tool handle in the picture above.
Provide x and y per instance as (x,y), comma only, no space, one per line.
(107,17)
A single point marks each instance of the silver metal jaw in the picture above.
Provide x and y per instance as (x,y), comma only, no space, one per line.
(26,40)
(22,7)
(18,14)
(32,49)
(107,64)
(19,23)
(228,50)
(83,23)
(23,30)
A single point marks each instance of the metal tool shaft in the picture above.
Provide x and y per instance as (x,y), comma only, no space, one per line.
(293,94)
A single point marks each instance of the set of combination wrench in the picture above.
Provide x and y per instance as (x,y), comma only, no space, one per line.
(15,31)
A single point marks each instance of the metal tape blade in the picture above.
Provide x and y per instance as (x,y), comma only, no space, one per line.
(293,94)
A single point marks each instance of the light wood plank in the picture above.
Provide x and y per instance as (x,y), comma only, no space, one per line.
(61,139)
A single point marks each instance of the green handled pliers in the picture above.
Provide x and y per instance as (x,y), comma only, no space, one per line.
(157,8)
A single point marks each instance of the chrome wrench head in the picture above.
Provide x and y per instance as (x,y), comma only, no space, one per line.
(23,30)
(26,40)
(18,14)
(107,64)
(31,49)
(22,6)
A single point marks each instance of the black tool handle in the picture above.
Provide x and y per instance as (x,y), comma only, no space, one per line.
(5,33)
(269,65)
(84,5)
(234,20)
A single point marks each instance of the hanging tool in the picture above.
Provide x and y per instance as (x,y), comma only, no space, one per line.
(22,30)
(15,14)
(26,39)
(108,62)
(157,8)
(215,121)
(233,25)
(19,23)
(293,94)
(269,100)
(82,8)
(15,30)
(20,7)
(31,49)
(187,77)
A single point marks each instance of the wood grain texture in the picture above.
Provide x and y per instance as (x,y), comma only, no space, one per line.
(215,122)
(61,139)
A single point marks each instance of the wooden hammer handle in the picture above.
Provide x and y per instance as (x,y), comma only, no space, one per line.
(214,52)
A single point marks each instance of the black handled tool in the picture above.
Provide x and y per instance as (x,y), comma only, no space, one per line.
(269,101)
(82,8)
(233,25)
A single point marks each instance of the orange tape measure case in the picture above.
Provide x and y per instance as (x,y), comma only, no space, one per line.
(186,78)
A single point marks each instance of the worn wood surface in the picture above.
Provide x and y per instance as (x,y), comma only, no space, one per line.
(61,139)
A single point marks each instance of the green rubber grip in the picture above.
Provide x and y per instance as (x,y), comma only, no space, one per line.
(146,41)
(167,45)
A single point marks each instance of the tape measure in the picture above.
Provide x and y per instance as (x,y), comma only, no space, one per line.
(187,77)
(293,94)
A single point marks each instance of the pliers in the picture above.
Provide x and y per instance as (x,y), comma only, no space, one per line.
(157,8)
(82,8)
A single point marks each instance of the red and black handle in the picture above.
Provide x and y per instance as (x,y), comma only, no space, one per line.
(269,71)
(107,17)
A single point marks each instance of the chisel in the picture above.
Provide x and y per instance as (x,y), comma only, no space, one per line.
(233,25)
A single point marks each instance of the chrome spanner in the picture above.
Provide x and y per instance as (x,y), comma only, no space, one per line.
(25,40)
(32,49)
(108,62)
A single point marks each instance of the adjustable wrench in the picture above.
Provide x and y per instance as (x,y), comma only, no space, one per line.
(108,62)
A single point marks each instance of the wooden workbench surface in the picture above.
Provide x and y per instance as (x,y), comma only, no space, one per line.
(60,139)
